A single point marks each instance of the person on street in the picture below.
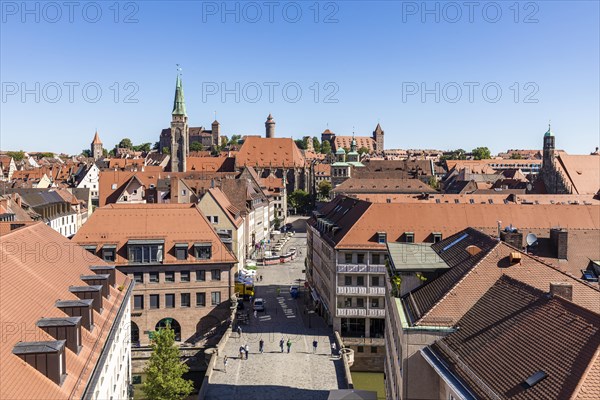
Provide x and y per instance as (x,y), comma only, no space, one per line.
(255,314)
(281,344)
(261,346)
(242,352)
(315,343)
(239,331)
(333,349)
(246,349)
(225,359)
(278,291)
(289,345)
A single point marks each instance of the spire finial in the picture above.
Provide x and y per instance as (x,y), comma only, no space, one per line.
(215,115)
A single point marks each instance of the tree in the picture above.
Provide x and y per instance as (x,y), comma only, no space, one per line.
(458,154)
(86,152)
(166,150)
(363,150)
(196,146)
(224,141)
(145,147)
(481,153)
(433,182)
(298,199)
(125,144)
(325,147)
(301,144)
(276,223)
(516,156)
(324,189)
(235,139)
(316,144)
(164,372)
(16,155)
(104,152)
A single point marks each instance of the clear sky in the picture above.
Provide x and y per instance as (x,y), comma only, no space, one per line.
(371,62)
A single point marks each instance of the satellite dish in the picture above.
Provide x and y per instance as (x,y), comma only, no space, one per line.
(529,187)
(531,239)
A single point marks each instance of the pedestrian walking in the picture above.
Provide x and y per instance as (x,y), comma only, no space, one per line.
(255,314)
(239,330)
(333,349)
(250,300)
(225,359)
(242,352)
(261,346)
(289,345)
(246,350)
(315,343)
(278,291)
(281,344)
(260,278)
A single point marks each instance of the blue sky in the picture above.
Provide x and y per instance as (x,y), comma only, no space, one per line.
(370,61)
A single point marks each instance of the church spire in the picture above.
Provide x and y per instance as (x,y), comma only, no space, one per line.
(179,102)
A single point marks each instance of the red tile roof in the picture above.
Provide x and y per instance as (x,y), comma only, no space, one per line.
(361,141)
(583,172)
(269,152)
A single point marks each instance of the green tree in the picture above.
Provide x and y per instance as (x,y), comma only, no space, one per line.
(196,146)
(166,150)
(458,154)
(316,144)
(363,150)
(235,140)
(298,199)
(481,153)
(433,182)
(125,144)
(516,156)
(224,141)
(143,147)
(216,150)
(325,147)
(324,189)
(301,144)
(276,223)
(86,152)
(16,155)
(164,372)
(104,152)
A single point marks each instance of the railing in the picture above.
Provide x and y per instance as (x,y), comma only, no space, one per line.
(351,290)
(351,312)
(361,268)
(377,290)
(376,312)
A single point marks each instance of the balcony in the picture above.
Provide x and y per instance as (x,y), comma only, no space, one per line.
(376,312)
(360,312)
(361,268)
(377,290)
(351,290)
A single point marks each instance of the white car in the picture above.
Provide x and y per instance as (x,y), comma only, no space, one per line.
(259,304)
(247,272)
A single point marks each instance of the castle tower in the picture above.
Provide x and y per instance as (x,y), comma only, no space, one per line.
(549,146)
(216,133)
(96,147)
(378,138)
(270,127)
(179,130)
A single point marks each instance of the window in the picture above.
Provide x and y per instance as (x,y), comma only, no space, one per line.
(183,192)
(348,280)
(138,277)
(381,237)
(170,300)
(153,277)
(375,302)
(348,258)
(181,250)
(348,302)
(376,259)
(373,349)
(215,219)
(145,253)
(374,281)
(200,276)
(200,299)
(184,276)
(216,275)
(91,248)
(360,349)
(170,276)
(437,237)
(360,258)
(109,253)
(202,251)
(138,302)
(154,301)
(409,237)
(185,299)
(360,281)
(360,302)
(215,298)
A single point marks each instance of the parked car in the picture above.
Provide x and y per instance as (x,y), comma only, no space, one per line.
(294,291)
(247,272)
(259,304)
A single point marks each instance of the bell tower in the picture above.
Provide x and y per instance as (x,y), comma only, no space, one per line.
(96,147)
(179,130)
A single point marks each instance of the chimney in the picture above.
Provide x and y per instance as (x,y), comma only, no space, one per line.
(562,289)
(512,237)
(68,329)
(47,357)
(559,238)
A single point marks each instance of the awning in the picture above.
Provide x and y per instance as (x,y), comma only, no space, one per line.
(146,241)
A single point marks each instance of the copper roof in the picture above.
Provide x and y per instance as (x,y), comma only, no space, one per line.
(269,152)
(48,275)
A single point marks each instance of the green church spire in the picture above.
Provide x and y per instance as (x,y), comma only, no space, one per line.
(179,102)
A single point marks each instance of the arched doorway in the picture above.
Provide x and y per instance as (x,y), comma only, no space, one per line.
(135,335)
(163,323)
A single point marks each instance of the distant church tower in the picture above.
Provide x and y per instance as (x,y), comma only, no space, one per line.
(216,133)
(96,147)
(549,146)
(270,127)
(378,138)
(179,130)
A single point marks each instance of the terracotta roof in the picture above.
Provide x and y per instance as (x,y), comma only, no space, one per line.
(173,223)
(125,162)
(485,166)
(269,152)
(96,139)
(496,197)
(582,171)
(323,169)
(311,155)
(211,164)
(361,141)
(383,185)
(515,330)
(229,209)
(48,277)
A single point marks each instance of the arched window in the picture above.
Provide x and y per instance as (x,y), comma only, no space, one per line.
(163,323)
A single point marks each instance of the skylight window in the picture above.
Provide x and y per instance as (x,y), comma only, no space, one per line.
(461,238)
(535,378)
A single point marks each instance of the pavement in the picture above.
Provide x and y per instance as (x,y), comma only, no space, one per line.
(273,375)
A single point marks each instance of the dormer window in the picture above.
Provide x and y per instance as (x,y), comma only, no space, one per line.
(437,237)
(47,357)
(203,251)
(109,252)
(145,251)
(409,237)
(181,250)
(381,237)
(91,248)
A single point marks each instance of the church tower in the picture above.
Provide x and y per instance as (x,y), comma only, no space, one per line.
(216,134)
(179,130)
(96,147)
(270,127)
(378,138)
(548,153)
